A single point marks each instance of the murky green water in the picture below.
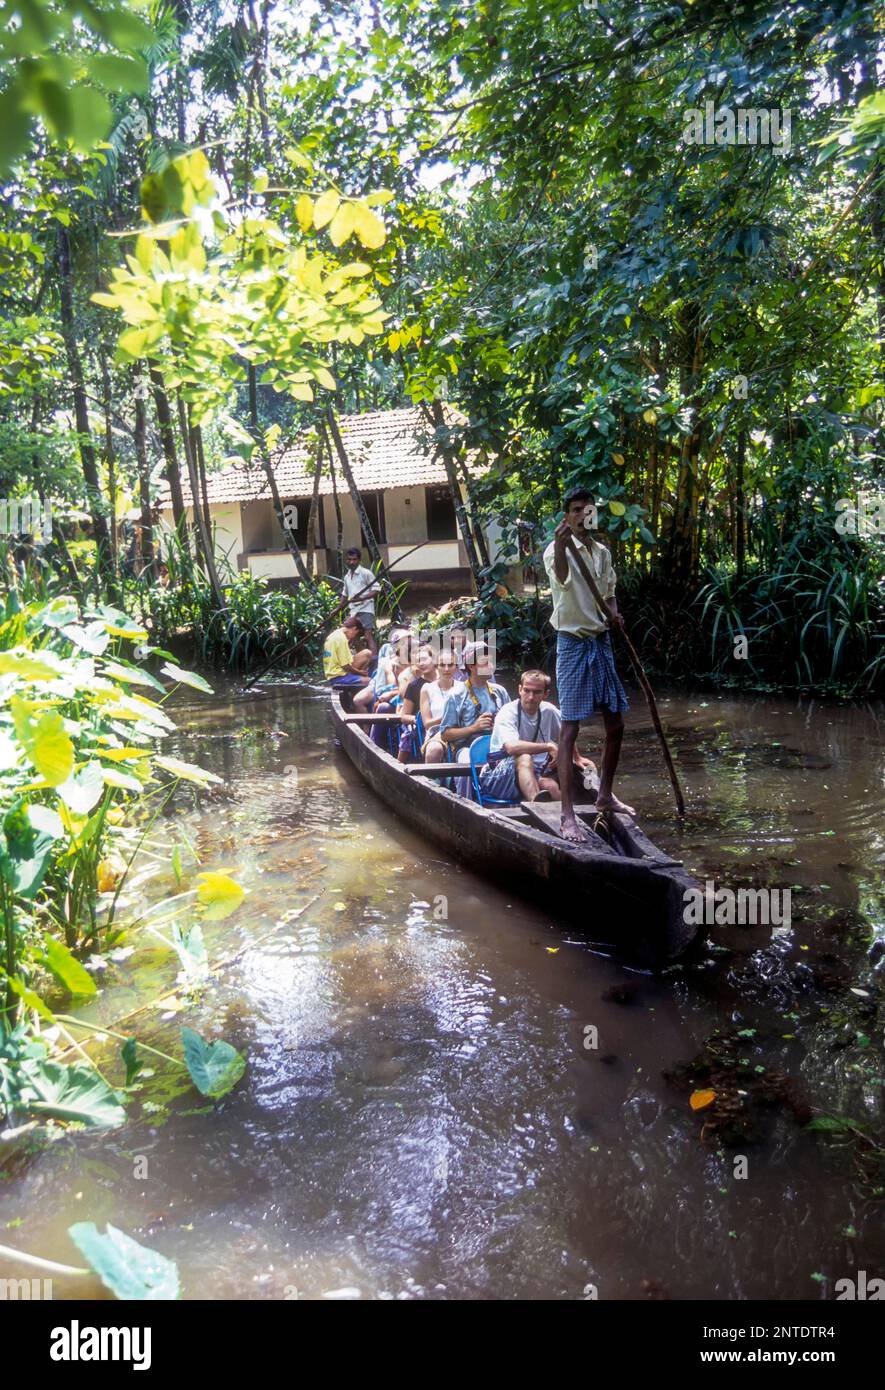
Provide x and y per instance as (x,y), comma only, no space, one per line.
(420,1116)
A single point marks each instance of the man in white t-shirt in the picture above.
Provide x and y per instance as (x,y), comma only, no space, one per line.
(361,586)
(523,751)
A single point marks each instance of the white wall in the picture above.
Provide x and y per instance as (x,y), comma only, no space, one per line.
(406,514)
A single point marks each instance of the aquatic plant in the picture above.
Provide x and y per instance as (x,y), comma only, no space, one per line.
(82,781)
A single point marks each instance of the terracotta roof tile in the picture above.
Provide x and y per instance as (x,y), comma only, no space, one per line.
(384,448)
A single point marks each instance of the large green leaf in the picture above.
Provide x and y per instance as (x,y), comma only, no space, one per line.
(215,1068)
(176,673)
(74,1093)
(66,968)
(83,789)
(44,739)
(129,1270)
(93,638)
(27,835)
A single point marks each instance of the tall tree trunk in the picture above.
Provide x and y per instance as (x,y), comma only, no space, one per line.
(439,423)
(170,453)
(339,520)
(255,430)
(478,533)
(200,460)
(81,411)
(314,505)
(683,545)
(146,548)
(371,542)
(740,506)
(110,452)
(202,522)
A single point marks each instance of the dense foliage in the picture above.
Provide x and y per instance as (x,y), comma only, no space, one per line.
(536,211)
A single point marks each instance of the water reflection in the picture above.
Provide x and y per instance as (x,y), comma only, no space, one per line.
(420,1116)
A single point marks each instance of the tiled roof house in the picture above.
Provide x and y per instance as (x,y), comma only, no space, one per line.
(402,483)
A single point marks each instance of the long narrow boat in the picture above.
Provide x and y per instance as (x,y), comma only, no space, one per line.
(619,889)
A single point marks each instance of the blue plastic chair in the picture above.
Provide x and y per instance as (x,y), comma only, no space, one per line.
(479,756)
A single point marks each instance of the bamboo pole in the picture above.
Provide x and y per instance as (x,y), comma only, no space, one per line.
(637,666)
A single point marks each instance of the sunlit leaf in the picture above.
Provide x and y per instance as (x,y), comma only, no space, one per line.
(219,894)
(66,968)
(325,208)
(189,772)
(191,678)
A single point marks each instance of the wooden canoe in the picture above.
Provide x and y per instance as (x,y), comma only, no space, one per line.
(620,890)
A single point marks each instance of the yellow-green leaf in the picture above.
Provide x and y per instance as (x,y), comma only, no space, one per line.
(44,740)
(617,508)
(304,212)
(20,664)
(326,207)
(219,894)
(342,224)
(369,227)
(122,755)
(135,634)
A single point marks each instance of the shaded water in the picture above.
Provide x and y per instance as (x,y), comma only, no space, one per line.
(420,1116)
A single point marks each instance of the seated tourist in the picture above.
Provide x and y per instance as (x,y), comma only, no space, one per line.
(470,711)
(392,661)
(433,701)
(423,671)
(523,753)
(342,666)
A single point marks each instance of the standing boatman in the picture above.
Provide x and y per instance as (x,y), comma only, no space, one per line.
(356,579)
(586,675)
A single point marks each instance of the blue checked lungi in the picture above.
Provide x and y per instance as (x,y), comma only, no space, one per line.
(586,677)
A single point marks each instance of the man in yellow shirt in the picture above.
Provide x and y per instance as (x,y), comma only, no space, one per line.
(586,675)
(341,665)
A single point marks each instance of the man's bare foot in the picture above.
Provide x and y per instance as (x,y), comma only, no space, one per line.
(613,803)
(572,831)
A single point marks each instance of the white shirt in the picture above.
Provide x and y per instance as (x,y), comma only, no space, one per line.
(574,607)
(513,725)
(354,583)
(437,696)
